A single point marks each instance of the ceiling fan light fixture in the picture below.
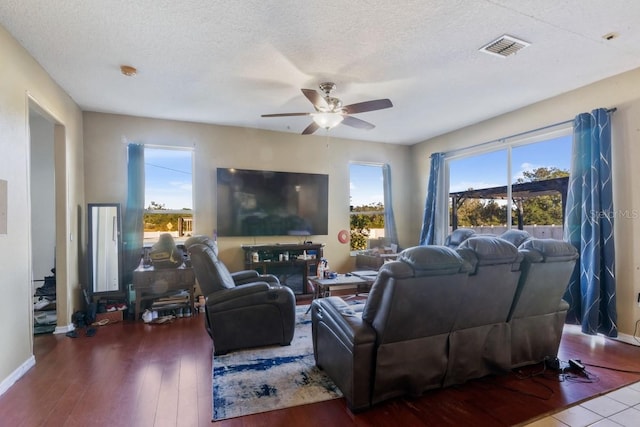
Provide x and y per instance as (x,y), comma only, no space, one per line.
(327,120)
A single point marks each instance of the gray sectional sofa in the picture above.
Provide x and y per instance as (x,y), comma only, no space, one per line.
(440,316)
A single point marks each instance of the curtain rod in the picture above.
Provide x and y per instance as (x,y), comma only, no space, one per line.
(515,135)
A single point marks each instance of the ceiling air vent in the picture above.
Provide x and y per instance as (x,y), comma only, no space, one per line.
(504,46)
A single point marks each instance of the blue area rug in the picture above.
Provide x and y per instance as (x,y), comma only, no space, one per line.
(268,378)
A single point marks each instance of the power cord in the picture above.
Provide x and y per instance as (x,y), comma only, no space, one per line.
(554,369)
(612,368)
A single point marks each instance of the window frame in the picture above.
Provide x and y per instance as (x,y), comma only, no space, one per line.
(508,143)
(192,212)
(353,252)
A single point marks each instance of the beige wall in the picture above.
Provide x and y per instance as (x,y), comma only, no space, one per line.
(22,79)
(622,92)
(225,146)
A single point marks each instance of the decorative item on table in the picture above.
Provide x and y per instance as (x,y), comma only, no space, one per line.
(323,268)
(165,254)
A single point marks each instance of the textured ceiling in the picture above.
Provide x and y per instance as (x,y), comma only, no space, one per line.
(228,62)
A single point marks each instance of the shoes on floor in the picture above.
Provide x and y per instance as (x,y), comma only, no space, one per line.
(41,303)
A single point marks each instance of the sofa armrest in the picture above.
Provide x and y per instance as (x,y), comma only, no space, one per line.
(344,321)
(344,347)
(249,276)
(237,292)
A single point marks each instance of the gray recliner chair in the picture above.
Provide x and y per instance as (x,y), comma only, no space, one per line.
(458,236)
(480,342)
(398,343)
(538,312)
(239,277)
(242,313)
(515,237)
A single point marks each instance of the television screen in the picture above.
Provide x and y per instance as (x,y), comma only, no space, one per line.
(268,203)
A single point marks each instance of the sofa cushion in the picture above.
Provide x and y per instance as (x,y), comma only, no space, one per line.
(550,250)
(490,250)
(201,239)
(429,260)
(515,237)
(212,274)
(458,236)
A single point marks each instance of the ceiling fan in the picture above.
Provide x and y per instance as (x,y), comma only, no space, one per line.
(330,112)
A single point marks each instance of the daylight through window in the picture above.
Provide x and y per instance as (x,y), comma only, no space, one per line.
(168,193)
(366,210)
(521,185)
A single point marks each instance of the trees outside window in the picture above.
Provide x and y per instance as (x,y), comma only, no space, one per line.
(545,209)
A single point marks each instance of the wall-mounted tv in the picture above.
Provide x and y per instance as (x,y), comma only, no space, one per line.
(269,203)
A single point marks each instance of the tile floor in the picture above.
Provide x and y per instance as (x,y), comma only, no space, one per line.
(615,409)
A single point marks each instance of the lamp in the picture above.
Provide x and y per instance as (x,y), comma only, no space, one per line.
(327,120)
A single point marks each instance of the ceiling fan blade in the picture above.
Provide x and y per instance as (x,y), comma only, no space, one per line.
(316,99)
(357,123)
(363,107)
(285,114)
(311,129)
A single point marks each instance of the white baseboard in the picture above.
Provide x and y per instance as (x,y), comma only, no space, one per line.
(17,374)
(64,329)
(629,339)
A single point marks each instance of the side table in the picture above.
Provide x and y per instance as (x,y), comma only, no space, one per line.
(151,283)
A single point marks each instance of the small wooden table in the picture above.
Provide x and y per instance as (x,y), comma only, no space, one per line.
(151,283)
(322,287)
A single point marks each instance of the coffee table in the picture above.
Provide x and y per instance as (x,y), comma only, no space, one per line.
(322,287)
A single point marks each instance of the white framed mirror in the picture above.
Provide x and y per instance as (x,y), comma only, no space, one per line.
(105,247)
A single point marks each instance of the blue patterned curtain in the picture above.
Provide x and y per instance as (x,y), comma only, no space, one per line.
(429,233)
(133,227)
(589,226)
(389,220)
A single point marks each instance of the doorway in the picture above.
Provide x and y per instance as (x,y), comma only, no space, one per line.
(43,221)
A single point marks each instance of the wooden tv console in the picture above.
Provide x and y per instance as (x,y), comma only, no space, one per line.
(286,261)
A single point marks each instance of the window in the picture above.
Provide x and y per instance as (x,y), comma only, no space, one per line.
(168,193)
(366,210)
(515,184)
(483,171)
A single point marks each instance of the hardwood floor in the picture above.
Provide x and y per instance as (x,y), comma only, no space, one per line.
(133,374)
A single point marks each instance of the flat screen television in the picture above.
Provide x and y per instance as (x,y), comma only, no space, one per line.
(270,203)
